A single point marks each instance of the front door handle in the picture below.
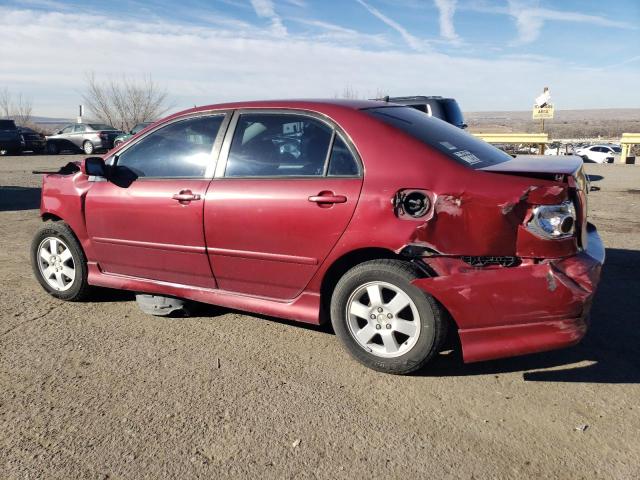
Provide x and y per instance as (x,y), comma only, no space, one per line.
(327,197)
(186,196)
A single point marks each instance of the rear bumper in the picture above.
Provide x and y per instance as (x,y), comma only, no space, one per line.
(503,312)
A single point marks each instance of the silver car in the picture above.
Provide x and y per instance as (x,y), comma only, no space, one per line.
(87,137)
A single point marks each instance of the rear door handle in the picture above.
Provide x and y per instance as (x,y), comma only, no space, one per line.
(186,196)
(328,198)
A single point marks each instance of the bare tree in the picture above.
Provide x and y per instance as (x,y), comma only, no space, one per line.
(6,104)
(19,109)
(125,102)
(22,110)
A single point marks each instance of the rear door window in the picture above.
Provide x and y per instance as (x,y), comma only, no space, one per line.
(342,162)
(182,149)
(278,145)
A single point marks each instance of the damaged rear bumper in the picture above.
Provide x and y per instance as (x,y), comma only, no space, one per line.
(503,312)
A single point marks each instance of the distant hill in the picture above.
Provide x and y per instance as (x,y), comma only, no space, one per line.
(610,122)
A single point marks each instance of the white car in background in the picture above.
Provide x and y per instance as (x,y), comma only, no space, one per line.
(559,149)
(600,153)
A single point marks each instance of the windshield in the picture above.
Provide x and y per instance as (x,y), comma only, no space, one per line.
(616,149)
(458,145)
(101,126)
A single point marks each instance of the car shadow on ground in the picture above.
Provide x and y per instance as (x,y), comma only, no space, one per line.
(609,352)
(19,198)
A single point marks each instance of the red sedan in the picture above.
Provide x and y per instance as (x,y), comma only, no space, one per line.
(394,225)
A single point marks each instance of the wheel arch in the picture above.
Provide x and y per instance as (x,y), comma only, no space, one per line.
(341,265)
(350,259)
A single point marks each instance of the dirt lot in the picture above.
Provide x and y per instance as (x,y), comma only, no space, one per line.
(100,390)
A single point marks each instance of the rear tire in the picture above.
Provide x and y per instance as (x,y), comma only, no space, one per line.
(87,147)
(59,263)
(384,321)
(52,148)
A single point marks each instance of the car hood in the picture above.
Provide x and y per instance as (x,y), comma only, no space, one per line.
(567,164)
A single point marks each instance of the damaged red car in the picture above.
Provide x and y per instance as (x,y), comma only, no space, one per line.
(395,226)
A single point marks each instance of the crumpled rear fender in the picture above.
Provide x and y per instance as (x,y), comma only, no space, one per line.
(488,219)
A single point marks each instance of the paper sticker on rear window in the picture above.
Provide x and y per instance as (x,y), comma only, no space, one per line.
(467,156)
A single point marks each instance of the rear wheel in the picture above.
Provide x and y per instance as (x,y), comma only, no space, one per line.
(52,148)
(59,263)
(87,146)
(385,322)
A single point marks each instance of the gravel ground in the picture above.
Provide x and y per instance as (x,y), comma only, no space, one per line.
(100,390)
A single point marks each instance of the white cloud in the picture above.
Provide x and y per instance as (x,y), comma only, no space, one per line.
(412,41)
(216,64)
(325,31)
(447,9)
(530,19)
(266,9)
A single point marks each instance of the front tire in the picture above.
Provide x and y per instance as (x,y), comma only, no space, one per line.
(59,263)
(384,321)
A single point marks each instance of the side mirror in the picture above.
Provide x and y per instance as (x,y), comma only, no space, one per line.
(94,166)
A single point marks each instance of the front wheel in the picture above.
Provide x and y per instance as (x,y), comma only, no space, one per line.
(385,322)
(59,263)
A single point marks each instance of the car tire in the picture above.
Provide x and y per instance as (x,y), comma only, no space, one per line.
(59,263)
(87,147)
(117,143)
(409,325)
(52,148)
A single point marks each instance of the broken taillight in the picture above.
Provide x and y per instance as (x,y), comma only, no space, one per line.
(553,221)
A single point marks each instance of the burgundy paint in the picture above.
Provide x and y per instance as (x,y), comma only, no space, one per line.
(269,247)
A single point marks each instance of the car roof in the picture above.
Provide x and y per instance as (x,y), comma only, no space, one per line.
(302,104)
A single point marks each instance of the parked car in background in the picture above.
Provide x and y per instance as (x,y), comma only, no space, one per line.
(11,141)
(600,153)
(557,148)
(34,141)
(86,137)
(126,136)
(446,109)
(395,226)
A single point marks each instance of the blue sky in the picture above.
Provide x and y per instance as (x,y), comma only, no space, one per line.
(490,54)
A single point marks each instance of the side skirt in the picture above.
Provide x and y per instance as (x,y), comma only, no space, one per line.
(304,308)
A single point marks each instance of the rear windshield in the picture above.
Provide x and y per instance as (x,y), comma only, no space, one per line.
(101,126)
(458,145)
(7,125)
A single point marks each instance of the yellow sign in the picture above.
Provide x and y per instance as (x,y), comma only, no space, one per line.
(545,112)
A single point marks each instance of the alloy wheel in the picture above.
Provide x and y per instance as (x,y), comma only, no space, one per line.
(383,319)
(56,264)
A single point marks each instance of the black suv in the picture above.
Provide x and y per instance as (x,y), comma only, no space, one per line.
(11,141)
(446,109)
